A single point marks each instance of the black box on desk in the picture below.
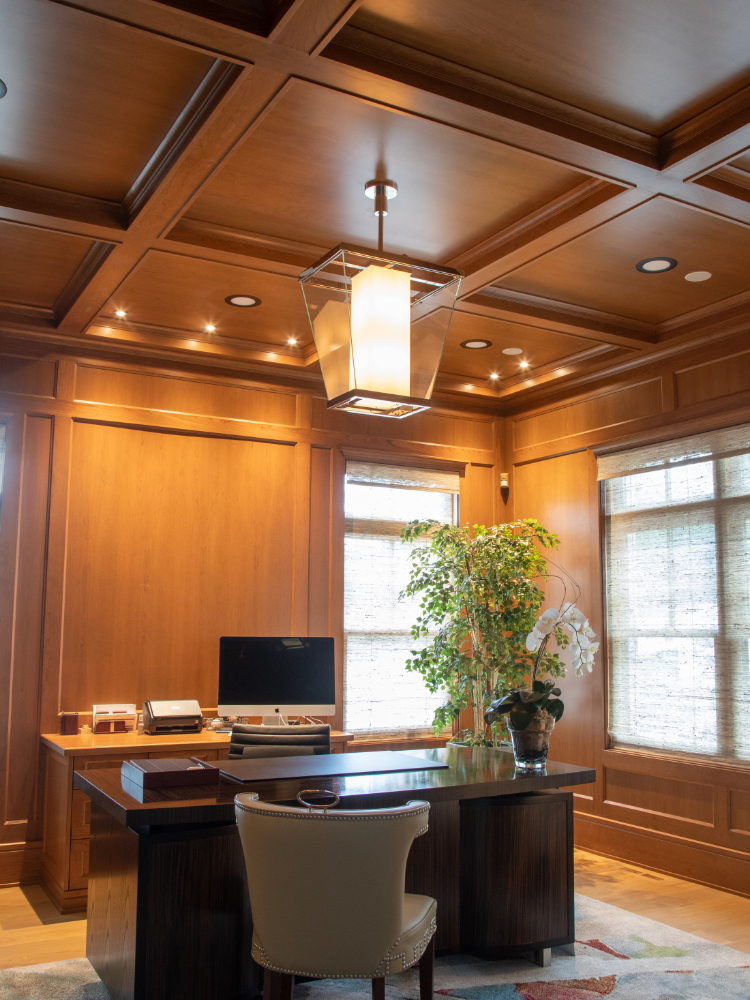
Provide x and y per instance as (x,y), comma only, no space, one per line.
(171,771)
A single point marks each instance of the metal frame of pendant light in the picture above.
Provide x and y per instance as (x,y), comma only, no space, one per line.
(335,271)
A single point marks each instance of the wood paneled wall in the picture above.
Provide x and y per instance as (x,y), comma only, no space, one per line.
(692,820)
(146,512)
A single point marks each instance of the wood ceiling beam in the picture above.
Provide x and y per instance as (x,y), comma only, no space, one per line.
(562,317)
(603,205)
(309,25)
(43,208)
(394,61)
(234,109)
(236,242)
(708,140)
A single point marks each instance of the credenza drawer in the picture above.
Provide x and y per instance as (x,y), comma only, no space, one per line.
(200,754)
(105,760)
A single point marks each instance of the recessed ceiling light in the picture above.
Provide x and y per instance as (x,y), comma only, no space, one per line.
(242,301)
(494,375)
(3,89)
(292,341)
(512,350)
(524,364)
(476,345)
(210,328)
(698,276)
(120,313)
(655,265)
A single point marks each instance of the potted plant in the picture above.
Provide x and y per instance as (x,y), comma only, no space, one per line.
(532,712)
(481,595)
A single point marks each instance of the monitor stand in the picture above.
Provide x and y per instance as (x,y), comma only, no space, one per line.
(274,720)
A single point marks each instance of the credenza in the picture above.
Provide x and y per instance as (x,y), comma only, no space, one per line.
(67,810)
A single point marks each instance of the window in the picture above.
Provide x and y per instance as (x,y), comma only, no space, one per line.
(677,530)
(380,697)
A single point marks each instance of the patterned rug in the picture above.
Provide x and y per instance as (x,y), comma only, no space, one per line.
(619,955)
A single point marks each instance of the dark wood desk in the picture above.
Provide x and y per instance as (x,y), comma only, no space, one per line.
(168,913)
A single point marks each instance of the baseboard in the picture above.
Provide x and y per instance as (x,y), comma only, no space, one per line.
(694,864)
(20,864)
(66,900)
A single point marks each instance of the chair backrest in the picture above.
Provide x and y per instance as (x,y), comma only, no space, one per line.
(248,753)
(317,738)
(326,888)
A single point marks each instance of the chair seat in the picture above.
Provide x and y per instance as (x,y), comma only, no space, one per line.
(418,925)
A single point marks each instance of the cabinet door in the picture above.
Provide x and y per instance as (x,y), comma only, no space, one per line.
(80,817)
(79,864)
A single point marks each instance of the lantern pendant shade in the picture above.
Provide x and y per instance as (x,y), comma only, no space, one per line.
(381,330)
(379,325)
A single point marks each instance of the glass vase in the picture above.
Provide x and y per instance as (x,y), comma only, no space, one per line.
(530,745)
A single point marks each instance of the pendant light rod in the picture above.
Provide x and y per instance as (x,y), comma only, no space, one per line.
(381,192)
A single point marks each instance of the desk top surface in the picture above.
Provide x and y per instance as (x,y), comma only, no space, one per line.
(472,773)
(91,744)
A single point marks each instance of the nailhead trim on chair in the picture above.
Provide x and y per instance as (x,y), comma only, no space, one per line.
(382,969)
(304,814)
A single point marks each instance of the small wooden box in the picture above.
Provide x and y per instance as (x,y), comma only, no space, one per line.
(170,771)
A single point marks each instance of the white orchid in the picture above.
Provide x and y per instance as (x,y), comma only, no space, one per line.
(575,625)
(547,621)
(533,641)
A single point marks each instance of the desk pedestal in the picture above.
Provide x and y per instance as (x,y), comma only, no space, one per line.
(168,914)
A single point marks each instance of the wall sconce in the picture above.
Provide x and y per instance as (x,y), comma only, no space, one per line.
(503,480)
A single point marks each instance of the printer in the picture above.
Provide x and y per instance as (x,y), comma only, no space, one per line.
(172,717)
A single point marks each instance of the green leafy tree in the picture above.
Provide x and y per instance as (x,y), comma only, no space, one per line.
(480,593)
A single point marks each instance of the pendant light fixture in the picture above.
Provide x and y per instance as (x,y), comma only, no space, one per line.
(379,322)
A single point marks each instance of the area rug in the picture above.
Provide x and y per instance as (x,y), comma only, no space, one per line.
(619,956)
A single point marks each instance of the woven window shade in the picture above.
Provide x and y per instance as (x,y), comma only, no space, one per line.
(677,528)
(381,699)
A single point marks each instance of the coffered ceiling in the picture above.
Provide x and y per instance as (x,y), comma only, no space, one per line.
(157,158)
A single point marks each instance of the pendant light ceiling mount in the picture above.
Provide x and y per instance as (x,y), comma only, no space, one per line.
(379,322)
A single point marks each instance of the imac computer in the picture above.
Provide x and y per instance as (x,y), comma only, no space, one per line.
(274,677)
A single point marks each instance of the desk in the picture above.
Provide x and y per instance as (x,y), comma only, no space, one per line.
(65,855)
(168,913)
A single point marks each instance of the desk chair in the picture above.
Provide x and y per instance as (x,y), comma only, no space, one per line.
(327,894)
(278,741)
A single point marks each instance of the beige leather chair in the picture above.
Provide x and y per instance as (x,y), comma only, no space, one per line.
(327,894)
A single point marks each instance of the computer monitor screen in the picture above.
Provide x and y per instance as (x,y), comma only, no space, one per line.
(267,675)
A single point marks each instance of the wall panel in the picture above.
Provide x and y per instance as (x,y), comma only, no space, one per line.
(183,395)
(739,810)
(320,541)
(557,492)
(173,541)
(685,800)
(608,410)
(713,379)
(26,517)
(27,376)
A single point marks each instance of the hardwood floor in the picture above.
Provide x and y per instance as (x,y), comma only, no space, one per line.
(709,913)
(32,931)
